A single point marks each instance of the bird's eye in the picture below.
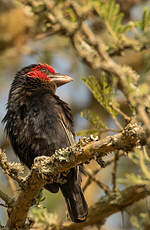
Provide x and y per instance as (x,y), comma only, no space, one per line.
(45,71)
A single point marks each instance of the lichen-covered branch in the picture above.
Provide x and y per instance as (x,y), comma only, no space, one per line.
(25,200)
(7,199)
(12,169)
(46,169)
(87,149)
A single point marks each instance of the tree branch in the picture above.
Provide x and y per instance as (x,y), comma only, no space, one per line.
(8,200)
(46,169)
(108,205)
(12,169)
(99,183)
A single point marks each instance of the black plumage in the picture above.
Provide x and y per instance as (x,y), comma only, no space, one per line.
(38,122)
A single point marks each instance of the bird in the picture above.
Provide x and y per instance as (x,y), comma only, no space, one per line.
(38,122)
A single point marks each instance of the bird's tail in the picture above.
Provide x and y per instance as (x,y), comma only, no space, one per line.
(76,204)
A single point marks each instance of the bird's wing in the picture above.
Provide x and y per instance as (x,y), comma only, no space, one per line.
(66,119)
(67,129)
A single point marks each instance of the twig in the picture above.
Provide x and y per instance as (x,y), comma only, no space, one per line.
(12,169)
(11,185)
(88,182)
(110,161)
(8,200)
(99,183)
(144,116)
(107,163)
(120,112)
(3,205)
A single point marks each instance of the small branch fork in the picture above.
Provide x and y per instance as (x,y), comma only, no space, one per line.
(90,179)
(100,184)
(46,169)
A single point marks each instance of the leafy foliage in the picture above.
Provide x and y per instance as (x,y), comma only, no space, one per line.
(97,124)
(144,23)
(102,92)
(95,120)
(141,159)
(109,11)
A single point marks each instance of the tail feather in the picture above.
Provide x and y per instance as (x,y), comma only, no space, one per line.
(72,192)
(76,204)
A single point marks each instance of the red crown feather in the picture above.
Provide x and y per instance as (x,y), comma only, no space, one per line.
(44,66)
(38,74)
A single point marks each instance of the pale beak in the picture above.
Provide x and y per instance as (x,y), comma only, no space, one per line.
(60,79)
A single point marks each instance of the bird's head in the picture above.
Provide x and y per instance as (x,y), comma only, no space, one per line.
(46,75)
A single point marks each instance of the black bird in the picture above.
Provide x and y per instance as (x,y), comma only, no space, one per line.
(38,122)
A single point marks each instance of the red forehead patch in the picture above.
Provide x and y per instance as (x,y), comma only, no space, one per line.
(44,66)
(38,74)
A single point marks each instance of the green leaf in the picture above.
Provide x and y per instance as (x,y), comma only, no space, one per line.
(97,124)
(145,21)
(101,91)
(109,11)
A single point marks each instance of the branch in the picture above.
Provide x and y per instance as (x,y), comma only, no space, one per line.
(8,200)
(25,200)
(12,169)
(46,169)
(99,183)
(89,180)
(111,204)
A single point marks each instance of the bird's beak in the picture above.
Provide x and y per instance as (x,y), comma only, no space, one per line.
(60,79)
